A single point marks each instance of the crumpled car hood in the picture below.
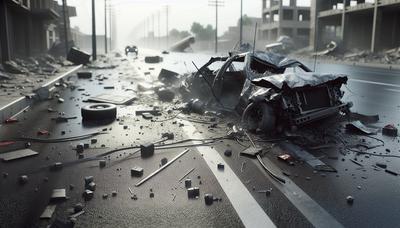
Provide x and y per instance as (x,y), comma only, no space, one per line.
(298,80)
(277,60)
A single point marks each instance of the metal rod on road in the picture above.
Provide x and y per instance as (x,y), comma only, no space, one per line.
(105,26)
(161,168)
(94,48)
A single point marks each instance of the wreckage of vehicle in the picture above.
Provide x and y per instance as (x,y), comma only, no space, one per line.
(270,91)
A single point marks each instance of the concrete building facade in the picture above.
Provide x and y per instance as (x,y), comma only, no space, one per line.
(286,17)
(30,27)
(363,24)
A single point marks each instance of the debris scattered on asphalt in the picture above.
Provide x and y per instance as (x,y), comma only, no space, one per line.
(161,168)
(137,171)
(58,194)
(23,179)
(208,199)
(389,130)
(17,154)
(187,173)
(48,211)
(168,77)
(88,195)
(84,74)
(193,192)
(391,172)
(77,56)
(228,152)
(146,150)
(381,165)
(102,163)
(153,59)
(188,183)
(358,127)
(350,199)
(164,161)
(165,94)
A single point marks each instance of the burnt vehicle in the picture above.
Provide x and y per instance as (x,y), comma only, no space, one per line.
(131,49)
(267,89)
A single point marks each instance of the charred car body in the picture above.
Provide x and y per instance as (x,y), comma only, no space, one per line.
(268,90)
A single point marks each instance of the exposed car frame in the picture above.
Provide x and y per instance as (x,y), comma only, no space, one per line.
(263,87)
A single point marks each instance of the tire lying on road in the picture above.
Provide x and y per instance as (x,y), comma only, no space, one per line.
(101,111)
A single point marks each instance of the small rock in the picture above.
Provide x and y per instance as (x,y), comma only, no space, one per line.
(228,152)
(350,199)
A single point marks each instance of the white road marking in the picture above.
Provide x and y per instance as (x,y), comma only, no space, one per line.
(393,90)
(375,83)
(311,210)
(249,211)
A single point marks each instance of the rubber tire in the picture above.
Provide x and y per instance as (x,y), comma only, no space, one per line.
(259,116)
(100,111)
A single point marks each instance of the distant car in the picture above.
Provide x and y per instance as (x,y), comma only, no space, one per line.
(268,89)
(131,49)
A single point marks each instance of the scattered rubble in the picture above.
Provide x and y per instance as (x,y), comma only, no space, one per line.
(389,130)
(153,59)
(77,56)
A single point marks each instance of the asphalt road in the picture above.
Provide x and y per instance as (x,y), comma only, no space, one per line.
(308,198)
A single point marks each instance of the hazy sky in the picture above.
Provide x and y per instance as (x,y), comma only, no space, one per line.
(130,14)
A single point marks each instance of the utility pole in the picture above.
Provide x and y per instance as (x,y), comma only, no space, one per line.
(216,4)
(64,7)
(105,26)
(241,23)
(152,18)
(110,21)
(158,32)
(94,51)
(167,26)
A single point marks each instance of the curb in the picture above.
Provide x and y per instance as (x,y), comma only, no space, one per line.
(20,104)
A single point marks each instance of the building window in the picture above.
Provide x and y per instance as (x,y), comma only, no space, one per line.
(275,17)
(286,2)
(288,15)
(303,3)
(268,3)
(304,15)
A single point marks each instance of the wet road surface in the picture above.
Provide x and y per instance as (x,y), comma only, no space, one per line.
(308,198)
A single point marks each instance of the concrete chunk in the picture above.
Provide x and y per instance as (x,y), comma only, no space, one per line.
(147,150)
(137,171)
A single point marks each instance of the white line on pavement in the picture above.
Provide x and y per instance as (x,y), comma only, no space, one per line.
(375,83)
(249,211)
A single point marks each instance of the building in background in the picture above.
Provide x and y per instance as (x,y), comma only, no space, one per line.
(30,27)
(361,24)
(230,38)
(286,18)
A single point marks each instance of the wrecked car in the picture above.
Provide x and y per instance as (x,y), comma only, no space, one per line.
(267,90)
(131,49)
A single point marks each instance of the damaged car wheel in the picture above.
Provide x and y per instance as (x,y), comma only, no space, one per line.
(260,116)
(101,111)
